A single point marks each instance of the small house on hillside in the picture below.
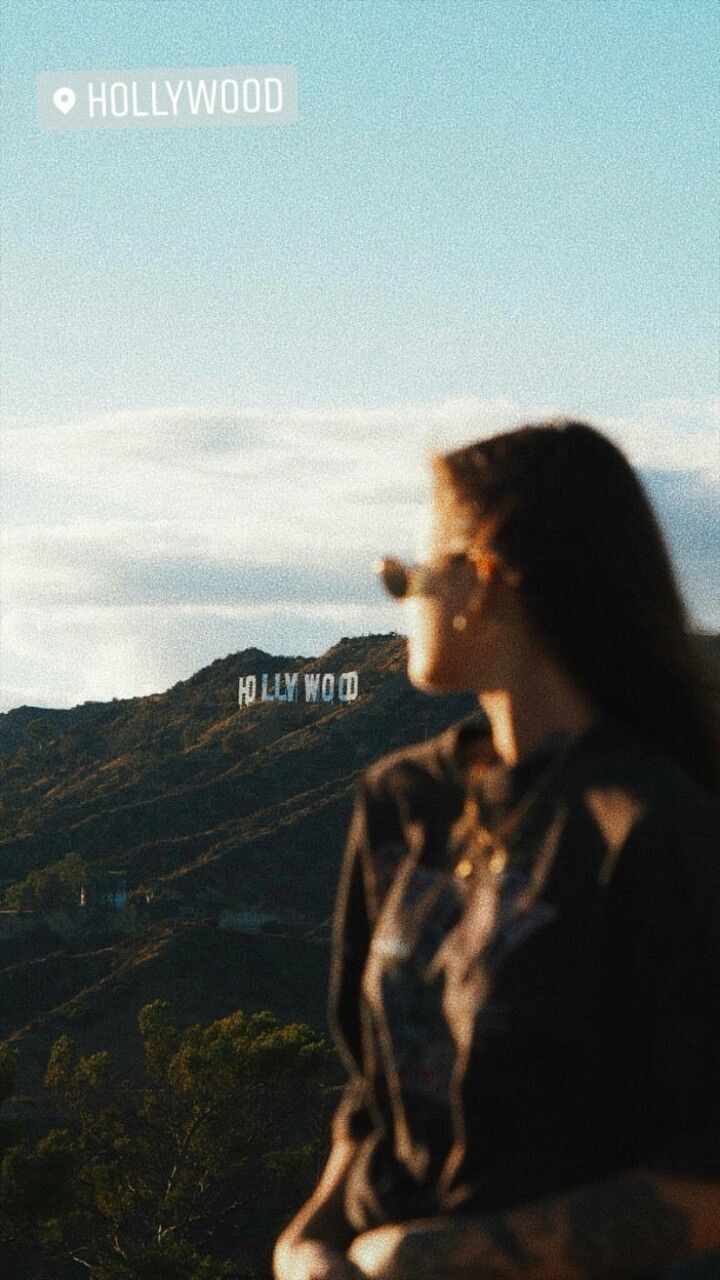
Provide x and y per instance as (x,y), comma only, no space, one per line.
(103,889)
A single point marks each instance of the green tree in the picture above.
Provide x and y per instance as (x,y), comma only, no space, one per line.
(50,888)
(34,1177)
(220,1123)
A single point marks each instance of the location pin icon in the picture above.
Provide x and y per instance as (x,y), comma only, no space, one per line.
(64,100)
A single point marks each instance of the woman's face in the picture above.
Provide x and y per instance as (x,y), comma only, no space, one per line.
(442,653)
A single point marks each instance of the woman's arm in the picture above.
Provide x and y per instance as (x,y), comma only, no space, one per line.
(319,1233)
(623,1225)
(322,1217)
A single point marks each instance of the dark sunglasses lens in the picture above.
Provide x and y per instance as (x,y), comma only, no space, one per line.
(394,576)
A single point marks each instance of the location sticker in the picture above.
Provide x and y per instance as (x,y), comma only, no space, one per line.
(166,97)
(64,99)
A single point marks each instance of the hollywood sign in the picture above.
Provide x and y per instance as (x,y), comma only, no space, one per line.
(323,687)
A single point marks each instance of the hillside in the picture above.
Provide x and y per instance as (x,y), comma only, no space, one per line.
(185,785)
(226,825)
(207,809)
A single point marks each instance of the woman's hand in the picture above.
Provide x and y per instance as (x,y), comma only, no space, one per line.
(298,1258)
(377,1253)
(429,1249)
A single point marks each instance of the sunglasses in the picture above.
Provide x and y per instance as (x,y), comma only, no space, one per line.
(401,580)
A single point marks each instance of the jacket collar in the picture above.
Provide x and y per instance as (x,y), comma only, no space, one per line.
(499,776)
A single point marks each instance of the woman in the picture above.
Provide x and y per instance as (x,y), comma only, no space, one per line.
(525,965)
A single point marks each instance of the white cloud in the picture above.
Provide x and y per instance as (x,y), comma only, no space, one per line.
(140,545)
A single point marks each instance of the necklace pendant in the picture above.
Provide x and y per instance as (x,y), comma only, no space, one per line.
(497,862)
(491,856)
(464,868)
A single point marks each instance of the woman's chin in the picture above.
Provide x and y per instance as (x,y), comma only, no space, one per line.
(428,676)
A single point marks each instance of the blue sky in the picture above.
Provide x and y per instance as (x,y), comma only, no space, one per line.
(484,211)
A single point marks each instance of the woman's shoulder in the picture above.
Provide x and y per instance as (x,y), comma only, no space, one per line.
(616,760)
(428,767)
(661,827)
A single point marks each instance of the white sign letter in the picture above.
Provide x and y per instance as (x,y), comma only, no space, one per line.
(311,688)
(247,690)
(348,686)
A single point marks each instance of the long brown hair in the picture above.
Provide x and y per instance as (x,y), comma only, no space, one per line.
(561,504)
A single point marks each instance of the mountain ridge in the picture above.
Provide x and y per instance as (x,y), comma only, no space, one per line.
(226,826)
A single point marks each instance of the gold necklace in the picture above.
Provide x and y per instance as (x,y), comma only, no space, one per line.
(477,844)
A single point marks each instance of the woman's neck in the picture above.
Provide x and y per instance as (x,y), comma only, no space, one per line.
(521,721)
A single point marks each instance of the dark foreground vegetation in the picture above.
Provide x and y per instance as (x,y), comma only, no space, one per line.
(184,1169)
